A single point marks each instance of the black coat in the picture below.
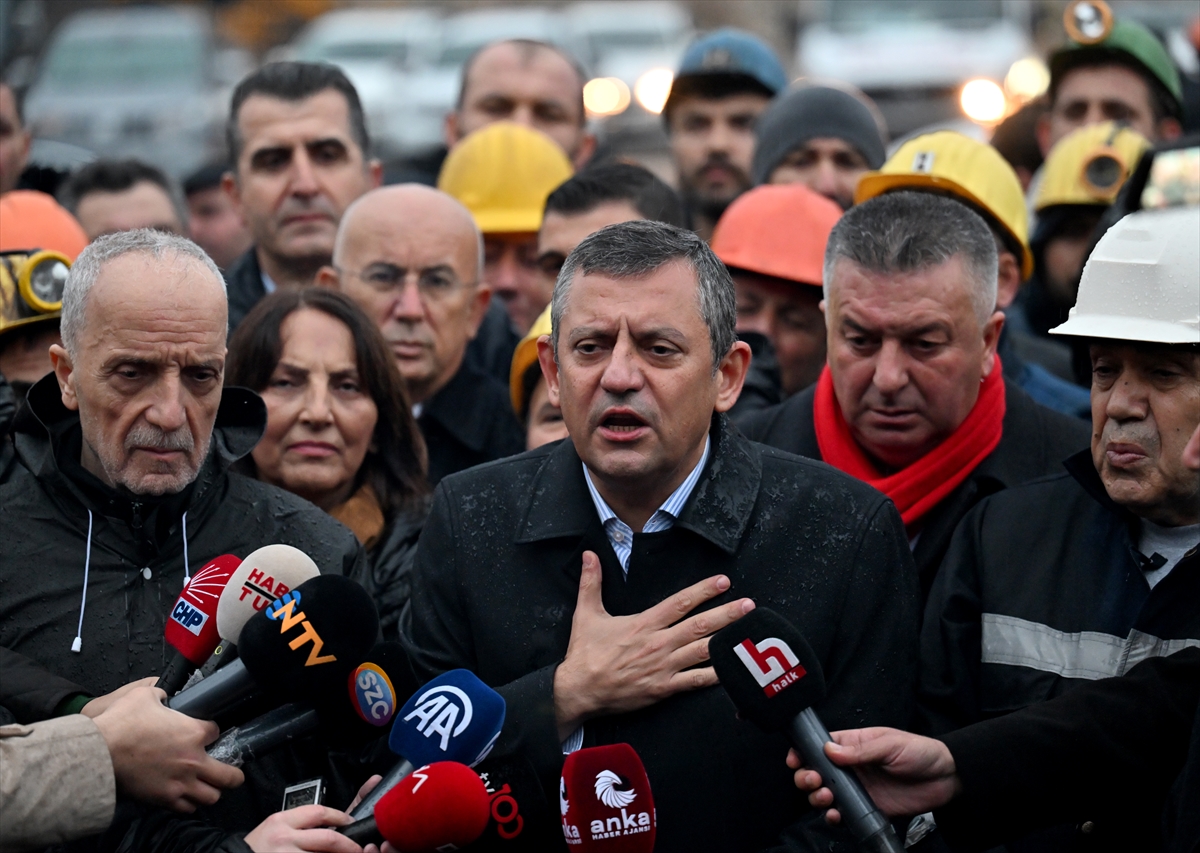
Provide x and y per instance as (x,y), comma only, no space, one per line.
(497,579)
(31,692)
(1034,443)
(243,286)
(468,422)
(392,559)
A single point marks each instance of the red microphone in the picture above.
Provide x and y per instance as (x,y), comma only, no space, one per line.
(192,626)
(605,800)
(441,806)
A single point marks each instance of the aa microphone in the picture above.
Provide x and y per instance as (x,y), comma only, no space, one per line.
(454,717)
(303,644)
(264,576)
(605,800)
(441,806)
(520,816)
(774,678)
(192,626)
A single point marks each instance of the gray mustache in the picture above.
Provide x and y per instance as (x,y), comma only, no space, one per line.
(146,435)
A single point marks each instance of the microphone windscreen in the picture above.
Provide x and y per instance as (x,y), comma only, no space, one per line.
(520,816)
(362,711)
(303,645)
(192,626)
(441,806)
(605,800)
(454,717)
(262,577)
(767,668)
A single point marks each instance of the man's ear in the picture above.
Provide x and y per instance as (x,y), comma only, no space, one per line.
(232,189)
(451,132)
(587,147)
(64,372)
(375,169)
(731,375)
(479,306)
(1043,133)
(549,368)
(327,276)
(1009,279)
(991,340)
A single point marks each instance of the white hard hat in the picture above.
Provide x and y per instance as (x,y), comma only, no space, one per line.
(1142,281)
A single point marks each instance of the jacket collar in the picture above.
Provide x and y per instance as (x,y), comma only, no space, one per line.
(719,509)
(458,408)
(1083,469)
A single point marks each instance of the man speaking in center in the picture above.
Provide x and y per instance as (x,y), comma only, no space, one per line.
(583,579)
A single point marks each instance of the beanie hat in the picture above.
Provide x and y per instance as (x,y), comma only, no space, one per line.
(814,112)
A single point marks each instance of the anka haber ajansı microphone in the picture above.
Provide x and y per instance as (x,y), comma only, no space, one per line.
(605,800)
(520,813)
(355,717)
(192,624)
(304,644)
(454,717)
(774,678)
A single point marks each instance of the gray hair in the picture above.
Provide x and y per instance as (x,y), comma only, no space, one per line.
(91,261)
(634,249)
(907,231)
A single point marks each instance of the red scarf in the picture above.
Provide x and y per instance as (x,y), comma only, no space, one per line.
(917,489)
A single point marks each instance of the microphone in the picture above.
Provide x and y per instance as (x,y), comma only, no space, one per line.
(440,806)
(303,644)
(263,576)
(192,626)
(605,800)
(454,717)
(520,816)
(774,678)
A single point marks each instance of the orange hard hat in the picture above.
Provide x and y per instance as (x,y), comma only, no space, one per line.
(33,220)
(778,230)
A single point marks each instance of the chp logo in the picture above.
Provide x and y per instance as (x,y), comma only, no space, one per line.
(374,695)
(772,663)
(200,594)
(191,618)
(445,711)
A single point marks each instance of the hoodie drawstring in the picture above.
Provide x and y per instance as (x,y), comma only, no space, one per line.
(187,577)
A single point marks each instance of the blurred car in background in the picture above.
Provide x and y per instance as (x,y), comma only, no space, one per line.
(925,61)
(145,82)
(379,48)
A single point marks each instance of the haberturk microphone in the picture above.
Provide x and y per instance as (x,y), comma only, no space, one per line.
(263,576)
(771,674)
(304,644)
(355,717)
(454,717)
(520,817)
(605,800)
(441,806)
(192,625)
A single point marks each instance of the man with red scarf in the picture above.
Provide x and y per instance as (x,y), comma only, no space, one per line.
(913,399)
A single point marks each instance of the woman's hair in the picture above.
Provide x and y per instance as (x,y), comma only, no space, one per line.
(395,466)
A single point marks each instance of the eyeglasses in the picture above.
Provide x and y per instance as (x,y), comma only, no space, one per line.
(433,284)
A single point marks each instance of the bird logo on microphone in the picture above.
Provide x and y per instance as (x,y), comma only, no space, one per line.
(563,805)
(613,791)
(439,710)
(772,663)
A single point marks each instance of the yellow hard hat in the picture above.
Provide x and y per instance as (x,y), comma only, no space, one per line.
(31,287)
(525,356)
(961,166)
(1090,165)
(503,173)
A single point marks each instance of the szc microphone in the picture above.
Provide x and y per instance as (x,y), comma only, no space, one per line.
(303,644)
(192,625)
(454,717)
(440,806)
(605,800)
(774,678)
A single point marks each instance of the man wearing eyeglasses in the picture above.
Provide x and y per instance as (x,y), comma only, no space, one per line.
(411,257)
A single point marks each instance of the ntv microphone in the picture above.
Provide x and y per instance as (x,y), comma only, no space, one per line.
(605,800)
(771,674)
(304,644)
(192,626)
(455,717)
(441,806)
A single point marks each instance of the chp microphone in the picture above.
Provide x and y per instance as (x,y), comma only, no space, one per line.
(305,643)
(605,801)
(455,717)
(440,806)
(774,678)
(192,626)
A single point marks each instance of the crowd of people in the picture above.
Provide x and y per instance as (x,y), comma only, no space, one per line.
(564,422)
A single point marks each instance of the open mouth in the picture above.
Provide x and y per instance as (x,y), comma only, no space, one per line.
(622,425)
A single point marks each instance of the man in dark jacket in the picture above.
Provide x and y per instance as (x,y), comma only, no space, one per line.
(561,576)
(300,152)
(122,482)
(913,400)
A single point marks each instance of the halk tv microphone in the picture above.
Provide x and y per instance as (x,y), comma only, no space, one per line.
(605,801)
(192,624)
(771,674)
(441,806)
(454,717)
(302,645)
(356,716)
